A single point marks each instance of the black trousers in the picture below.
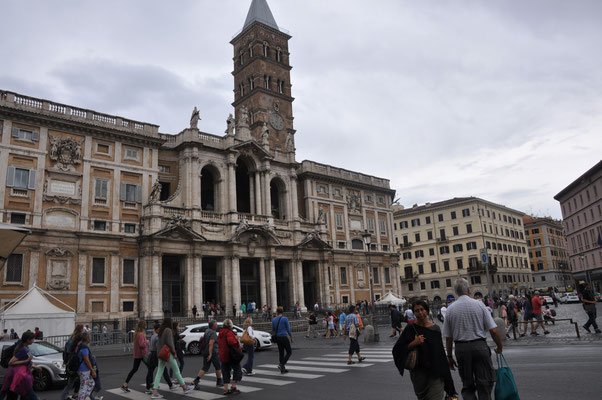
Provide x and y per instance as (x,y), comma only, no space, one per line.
(284,345)
(476,369)
(134,369)
(153,363)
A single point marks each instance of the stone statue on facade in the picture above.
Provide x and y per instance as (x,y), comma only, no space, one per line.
(194,119)
(321,217)
(230,123)
(66,153)
(289,145)
(265,134)
(354,202)
(155,192)
(243,117)
(242,227)
(178,221)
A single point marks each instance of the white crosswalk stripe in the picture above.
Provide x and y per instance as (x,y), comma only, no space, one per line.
(133,394)
(313,369)
(196,394)
(288,375)
(375,356)
(343,359)
(265,381)
(242,388)
(334,364)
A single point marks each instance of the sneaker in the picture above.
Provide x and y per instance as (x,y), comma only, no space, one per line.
(598,331)
(99,398)
(546,332)
(125,389)
(587,329)
(250,373)
(361,359)
(173,387)
(281,368)
(244,371)
(148,391)
(285,371)
(534,334)
(188,388)
(156,396)
(219,382)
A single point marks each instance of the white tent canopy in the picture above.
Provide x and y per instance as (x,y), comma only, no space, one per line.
(390,298)
(33,309)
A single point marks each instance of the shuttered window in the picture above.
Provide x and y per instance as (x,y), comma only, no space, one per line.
(25,134)
(101,189)
(131,193)
(14,268)
(98,271)
(20,178)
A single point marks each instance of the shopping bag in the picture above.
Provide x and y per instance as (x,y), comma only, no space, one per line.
(505,388)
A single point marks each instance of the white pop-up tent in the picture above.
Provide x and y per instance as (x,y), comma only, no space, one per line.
(33,309)
(390,298)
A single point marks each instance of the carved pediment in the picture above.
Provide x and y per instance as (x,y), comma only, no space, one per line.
(178,227)
(243,231)
(313,240)
(251,147)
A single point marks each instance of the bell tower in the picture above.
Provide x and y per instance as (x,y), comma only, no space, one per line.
(262,82)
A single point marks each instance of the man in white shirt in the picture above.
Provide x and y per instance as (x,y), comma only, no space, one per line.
(466,324)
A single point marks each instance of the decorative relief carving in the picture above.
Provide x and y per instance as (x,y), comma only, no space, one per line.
(66,153)
(59,268)
(354,202)
(178,221)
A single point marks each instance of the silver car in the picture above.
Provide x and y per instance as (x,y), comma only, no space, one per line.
(46,356)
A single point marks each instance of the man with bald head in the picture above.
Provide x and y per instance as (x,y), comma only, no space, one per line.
(466,324)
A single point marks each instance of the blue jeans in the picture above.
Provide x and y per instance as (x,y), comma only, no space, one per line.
(250,355)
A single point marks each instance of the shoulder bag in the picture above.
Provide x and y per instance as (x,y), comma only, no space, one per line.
(352,331)
(247,339)
(236,354)
(164,353)
(412,358)
(275,332)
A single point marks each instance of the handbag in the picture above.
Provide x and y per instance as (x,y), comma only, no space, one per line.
(505,388)
(247,339)
(275,332)
(412,357)
(236,355)
(164,353)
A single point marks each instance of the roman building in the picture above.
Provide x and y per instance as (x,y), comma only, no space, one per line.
(127,220)
(547,253)
(581,205)
(440,242)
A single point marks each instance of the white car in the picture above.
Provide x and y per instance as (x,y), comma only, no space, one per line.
(193,334)
(548,300)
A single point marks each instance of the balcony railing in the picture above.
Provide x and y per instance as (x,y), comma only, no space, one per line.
(405,246)
(443,240)
(479,268)
(411,279)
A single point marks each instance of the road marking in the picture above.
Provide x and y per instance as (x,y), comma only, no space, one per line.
(288,375)
(197,394)
(313,369)
(265,381)
(342,359)
(376,356)
(375,352)
(242,388)
(334,364)
(133,394)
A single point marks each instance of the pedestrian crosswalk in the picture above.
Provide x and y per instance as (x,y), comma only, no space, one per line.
(267,375)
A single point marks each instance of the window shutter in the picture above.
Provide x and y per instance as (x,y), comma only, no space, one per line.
(138,194)
(97,185)
(122,192)
(32,179)
(10,177)
(16,132)
(104,189)
(35,136)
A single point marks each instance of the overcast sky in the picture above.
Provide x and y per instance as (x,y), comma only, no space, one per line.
(496,99)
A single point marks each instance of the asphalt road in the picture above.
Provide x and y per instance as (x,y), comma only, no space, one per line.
(543,370)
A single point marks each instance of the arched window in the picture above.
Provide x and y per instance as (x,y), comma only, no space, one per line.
(241,87)
(266,49)
(278,199)
(278,54)
(280,87)
(241,58)
(251,83)
(209,189)
(266,82)
(250,51)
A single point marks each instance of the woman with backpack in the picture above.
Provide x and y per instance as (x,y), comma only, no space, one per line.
(167,354)
(140,349)
(230,355)
(72,378)
(18,378)
(87,373)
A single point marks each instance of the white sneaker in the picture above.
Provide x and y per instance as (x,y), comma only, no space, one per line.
(156,396)
(174,387)
(251,373)
(188,388)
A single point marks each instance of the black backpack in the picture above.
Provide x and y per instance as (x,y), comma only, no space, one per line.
(73,361)
(553,313)
(7,354)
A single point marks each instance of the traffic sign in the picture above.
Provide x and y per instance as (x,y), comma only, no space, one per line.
(484,257)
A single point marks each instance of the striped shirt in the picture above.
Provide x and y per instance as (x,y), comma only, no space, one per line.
(467,319)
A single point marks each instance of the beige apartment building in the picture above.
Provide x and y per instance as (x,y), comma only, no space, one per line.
(439,242)
(548,253)
(130,221)
(581,205)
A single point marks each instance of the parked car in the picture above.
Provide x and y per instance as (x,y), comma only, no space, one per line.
(193,333)
(49,358)
(547,300)
(570,298)
(598,297)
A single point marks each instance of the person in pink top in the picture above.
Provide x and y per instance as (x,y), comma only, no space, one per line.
(140,349)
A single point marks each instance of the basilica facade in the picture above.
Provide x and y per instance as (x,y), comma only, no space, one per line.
(127,220)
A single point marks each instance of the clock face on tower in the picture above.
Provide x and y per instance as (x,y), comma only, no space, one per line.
(276,121)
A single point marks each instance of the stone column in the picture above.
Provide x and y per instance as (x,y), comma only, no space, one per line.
(189,283)
(298,267)
(144,286)
(336,283)
(232,185)
(258,208)
(273,294)
(268,199)
(156,287)
(81,283)
(227,283)
(197,287)
(294,212)
(115,280)
(236,284)
(262,284)
(292,282)
(34,262)
(322,267)
(351,279)
(253,206)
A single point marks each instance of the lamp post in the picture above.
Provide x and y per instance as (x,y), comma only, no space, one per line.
(367,241)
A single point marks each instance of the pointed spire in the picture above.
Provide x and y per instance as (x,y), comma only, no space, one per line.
(260,12)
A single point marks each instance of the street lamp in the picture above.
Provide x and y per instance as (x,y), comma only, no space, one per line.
(367,241)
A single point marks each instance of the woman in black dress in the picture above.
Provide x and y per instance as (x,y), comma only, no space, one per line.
(431,376)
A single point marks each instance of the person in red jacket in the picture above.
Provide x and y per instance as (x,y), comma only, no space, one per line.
(227,341)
